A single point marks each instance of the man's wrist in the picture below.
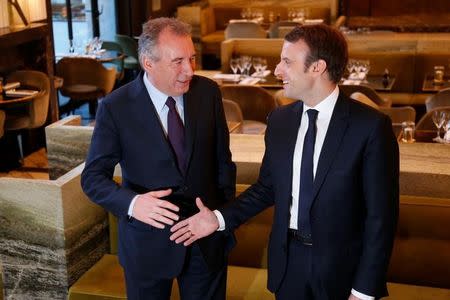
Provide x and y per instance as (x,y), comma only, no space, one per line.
(220,220)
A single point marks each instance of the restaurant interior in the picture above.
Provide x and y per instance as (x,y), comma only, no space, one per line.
(59,58)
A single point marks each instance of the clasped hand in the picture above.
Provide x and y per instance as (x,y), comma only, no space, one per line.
(196,227)
(150,209)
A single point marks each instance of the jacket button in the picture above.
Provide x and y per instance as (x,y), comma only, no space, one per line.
(183,189)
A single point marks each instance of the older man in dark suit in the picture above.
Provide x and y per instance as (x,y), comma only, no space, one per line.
(167,130)
(331,170)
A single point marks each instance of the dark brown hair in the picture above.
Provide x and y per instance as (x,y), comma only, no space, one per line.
(324,43)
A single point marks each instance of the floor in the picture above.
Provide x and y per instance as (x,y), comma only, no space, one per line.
(34,166)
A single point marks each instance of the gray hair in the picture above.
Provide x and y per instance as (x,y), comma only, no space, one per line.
(149,39)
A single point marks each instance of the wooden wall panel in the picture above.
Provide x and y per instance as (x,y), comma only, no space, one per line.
(393,7)
(397,7)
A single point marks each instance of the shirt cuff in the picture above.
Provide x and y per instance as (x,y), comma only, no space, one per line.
(220,219)
(131,207)
(361,295)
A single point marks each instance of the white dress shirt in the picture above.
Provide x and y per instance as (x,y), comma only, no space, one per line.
(159,99)
(325,109)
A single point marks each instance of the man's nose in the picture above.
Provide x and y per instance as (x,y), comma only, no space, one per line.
(189,68)
(277,71)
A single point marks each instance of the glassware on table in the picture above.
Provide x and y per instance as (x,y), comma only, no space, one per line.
(438,75)
(351,68)
(363,69)
(246,62)
(257,65)
(438,118)
(446,138)
(408,128)
(234,65)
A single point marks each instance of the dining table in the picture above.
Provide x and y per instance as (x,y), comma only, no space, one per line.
(272,82)
(430,86)
(10,102)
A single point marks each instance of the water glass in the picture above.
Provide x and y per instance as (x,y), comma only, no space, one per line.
(438,75)
(408,128)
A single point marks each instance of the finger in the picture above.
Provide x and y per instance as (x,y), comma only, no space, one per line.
(166,213)
(155,223)
(179,225)
(179,233)
(199,203)
(161,193)
(168,205)
(192,239)
(186,236)
(162,219)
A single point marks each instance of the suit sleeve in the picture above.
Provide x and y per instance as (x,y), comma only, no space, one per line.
(104,154)
(256,198)
(381,195)
(226,176)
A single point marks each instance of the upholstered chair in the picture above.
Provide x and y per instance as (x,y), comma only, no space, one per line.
(85,80)
(441,98)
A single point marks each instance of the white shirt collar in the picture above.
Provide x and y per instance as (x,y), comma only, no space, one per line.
(326,106)
(159,98)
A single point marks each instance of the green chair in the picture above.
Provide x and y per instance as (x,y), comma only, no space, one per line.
(117,63)
(129,47)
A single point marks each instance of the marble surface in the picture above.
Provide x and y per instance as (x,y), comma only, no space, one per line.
(67,145)
(50,234)
(424,167)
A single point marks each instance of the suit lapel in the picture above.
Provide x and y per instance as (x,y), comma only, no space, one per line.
(333,138)
(289,132)
(190,122)
(147,115)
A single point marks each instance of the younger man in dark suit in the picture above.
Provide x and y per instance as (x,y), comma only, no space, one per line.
(167,130)
(331,170)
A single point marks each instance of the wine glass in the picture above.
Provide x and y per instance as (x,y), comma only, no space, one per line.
(438,118)
(364,67)
(351,68)
(246,62)
(234,65)
(257,66)
(447,131)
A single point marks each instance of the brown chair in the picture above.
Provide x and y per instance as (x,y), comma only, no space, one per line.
(244,30)
(117,63)
(85,79)
(2,122)
(400,114)
(255,102)
(442,98)
(35,114)
(426,122)
(364,99)
(233,113)
(281,99)
(349,89)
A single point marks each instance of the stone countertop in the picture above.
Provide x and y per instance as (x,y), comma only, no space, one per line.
(424,167)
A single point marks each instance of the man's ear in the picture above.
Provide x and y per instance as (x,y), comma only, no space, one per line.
(319,66)
(148,64)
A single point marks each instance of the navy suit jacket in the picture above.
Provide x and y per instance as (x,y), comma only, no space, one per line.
(128,131)
(355,207)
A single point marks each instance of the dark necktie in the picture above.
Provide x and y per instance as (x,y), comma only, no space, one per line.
(306,175)
(175,133)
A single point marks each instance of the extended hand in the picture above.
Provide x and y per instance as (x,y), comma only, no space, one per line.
(353,297)
(196,227)
(149,209)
